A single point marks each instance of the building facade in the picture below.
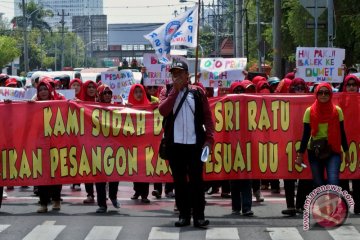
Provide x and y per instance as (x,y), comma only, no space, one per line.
(71,8)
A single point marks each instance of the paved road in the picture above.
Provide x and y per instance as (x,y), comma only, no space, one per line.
(134,220)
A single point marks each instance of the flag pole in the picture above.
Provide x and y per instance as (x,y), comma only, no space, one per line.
(197,44)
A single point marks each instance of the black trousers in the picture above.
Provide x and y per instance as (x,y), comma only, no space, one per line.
(141,189)
(89,187)
(356,194)
(187,170)
(169,187)
(101,192)
(1,194)
(305,186)
(47,193)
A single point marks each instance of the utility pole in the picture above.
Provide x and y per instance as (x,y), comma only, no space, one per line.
(330,5)
(258,34)
(26,52)
(62,36)
(238,29)
(277,38)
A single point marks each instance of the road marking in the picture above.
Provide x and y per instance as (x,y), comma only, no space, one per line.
(164,233)
(44,232)
(49,223)
(3,227)
(284,233)
(104,233)
(344,233)
(222,233)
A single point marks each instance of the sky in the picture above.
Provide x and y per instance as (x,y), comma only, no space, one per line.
(127,11)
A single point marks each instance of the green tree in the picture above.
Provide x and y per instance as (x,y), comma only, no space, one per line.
(34,17)
(8,49)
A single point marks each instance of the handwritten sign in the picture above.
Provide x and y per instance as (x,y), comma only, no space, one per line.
(119,82)
(157,73)
(320,64)
(221,72)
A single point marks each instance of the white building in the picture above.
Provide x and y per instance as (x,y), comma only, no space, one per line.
(71,8)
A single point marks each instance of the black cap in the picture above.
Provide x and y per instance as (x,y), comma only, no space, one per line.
(179,65)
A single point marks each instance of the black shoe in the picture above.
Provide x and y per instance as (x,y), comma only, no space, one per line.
(101,210)
(145,200)
(248,213)
(225,195)
(156,194)
(182,222)
(201,223)
(135,196)
(289,211)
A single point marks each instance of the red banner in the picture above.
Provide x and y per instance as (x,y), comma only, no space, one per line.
(68,142)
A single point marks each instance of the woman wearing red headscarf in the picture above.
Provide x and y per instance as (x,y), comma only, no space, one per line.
(324,126)
(89,95)
(262,87)
(297,86)
(45,92)
(104,96)
(137,96)
(283,86)
(76,84)
(351,84)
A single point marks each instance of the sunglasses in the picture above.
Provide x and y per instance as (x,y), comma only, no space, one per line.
(323,93)
(299,88)
(150,87)
(107,93)
(351,85)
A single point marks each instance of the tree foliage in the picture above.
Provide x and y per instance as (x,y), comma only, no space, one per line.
(8,50)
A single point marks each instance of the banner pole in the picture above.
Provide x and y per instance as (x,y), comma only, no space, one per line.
(197,44)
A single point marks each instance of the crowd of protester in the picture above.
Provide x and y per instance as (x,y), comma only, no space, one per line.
(323,111)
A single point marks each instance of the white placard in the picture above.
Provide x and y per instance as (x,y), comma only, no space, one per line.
(221,72)
(119,82)
(157,73)
(320,64)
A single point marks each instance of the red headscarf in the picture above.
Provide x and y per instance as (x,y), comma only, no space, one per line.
(290,75)
(53,94)
(260,87)
(326,113)
(10,82)
(246,84)
(79,95)
(235,85)
(296,82)
(347,79)
(132,99)
(84,95)
(258,79)
(283,86)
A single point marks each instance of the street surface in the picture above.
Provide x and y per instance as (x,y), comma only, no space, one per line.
(154,221)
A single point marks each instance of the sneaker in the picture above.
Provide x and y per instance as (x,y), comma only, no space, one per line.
(4,196)
(248,213)
(258,196)
(175,208)
(212,190)
(42,209)
(89,199)
(235,212)
(275,190)
(156,194)
(225,195)
(145,200)
(101,210)
(10,188)
(170,195)
(115,203)
(289,212)
(76,188)
(135,196)
(56,205)
(300,210)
